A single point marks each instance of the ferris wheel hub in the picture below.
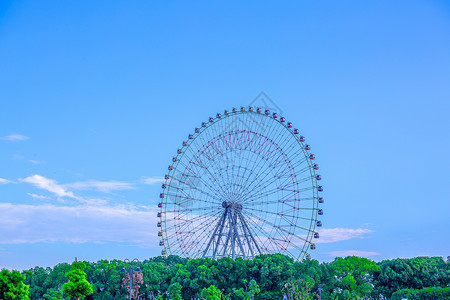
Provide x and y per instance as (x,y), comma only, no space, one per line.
(232,205)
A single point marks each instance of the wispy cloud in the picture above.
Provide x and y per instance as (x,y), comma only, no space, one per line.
(334,235)
(77,224)
(4,181)
(102,186)
(346,253)
(50,185)
(15,138)
(153,180)
(37,196)
(35,161)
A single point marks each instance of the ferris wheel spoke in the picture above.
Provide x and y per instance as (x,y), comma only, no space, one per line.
(257,150)
(182,200)
(195,174)
(185,183)
(208,208)
(185,191)
(181,233)
(254,153)
(199,212)
(246,138)
(254,138)
(291,234)
(227,140)
(191,186)
(267,171)
(300,162)
(286,187)
(201,231)
(281,214)
(184,216)
(243,181)
(284,213)
(215,189)
(280,230)
(259,180)
(188,220)
(252,197)
(213,183)
(270,239)
(256,228)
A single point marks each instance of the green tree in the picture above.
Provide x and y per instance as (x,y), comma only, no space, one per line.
(299,289)
(353,276)
(413,273)
(430,293)
(56,277)
(53,294)
(77,286)
(12,286)
(175,291)
(271,272)
(105,279)
(307,272)
(156,277)
(211,293)
(36,278)
(250,292)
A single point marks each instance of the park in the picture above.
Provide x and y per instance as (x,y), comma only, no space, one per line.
(224,150)
(265,277)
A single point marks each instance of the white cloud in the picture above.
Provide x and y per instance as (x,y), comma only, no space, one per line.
(346,253)
(102,186)
(34,161)
(77,224)
(15,138)
(334,235)
(37,196)
(4,181)
(50,185)
(153,180)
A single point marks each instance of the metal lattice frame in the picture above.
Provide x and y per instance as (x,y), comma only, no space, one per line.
(242,184)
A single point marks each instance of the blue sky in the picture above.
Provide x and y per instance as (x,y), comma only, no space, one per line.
(96,96)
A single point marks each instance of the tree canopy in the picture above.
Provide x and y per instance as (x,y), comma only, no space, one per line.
(12,286)
(263,278)
(77,286)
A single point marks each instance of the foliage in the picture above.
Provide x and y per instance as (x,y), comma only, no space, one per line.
(105,278)
(53,294)
(77,286)
(271,271)
(12,286)
(415,273)
(36,278)
(299,289)
(211,293)
(353,276)
(339,279)
(250,291)
(174,291)
(156,277)
(430,293)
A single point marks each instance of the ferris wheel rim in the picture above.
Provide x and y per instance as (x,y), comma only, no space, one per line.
(219,118)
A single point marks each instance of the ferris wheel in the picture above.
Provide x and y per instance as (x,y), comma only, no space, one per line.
(242,184)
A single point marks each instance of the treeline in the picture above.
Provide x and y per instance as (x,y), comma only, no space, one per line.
(272,277)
